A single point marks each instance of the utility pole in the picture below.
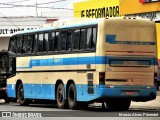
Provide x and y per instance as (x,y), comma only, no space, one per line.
(36,9)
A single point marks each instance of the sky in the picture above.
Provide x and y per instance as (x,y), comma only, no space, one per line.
(9,8)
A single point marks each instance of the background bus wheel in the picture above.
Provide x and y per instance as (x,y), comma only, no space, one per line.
(118,104)
(7,100)
(20,95)
(60,95)
(72,97)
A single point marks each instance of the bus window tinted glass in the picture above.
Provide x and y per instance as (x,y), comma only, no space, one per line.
(50,42)
(63,40)
(56,42)
(76,38)
(94,38)
(27,44)
(40,43)
(34,50)
(12,45)
(83,39)
(19,44)
(89,38)
(45,46)
(69,38)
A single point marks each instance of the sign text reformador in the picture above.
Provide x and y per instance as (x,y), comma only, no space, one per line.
(101,12)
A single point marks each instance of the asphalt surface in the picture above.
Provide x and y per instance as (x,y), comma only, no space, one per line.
(137,109)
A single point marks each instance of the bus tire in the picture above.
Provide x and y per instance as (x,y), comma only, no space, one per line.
(118,104)
(7,100)
(72,96)
(60,96)
(20,96)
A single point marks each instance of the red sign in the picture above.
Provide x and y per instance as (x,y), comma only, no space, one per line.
(141,1)
(148,1)
(51,20)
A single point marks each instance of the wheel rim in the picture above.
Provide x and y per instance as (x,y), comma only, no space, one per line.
(21,94)
(60,95)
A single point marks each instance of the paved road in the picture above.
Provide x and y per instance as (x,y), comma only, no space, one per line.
(138,109)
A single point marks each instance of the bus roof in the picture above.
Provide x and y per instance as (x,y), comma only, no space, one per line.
(64,24)
(69,23)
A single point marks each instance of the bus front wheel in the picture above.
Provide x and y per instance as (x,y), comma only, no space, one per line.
(20,96)
(118,104)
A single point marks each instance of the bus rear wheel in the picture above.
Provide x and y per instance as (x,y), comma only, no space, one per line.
(118,104)
(20,96)
(72,99)
(60,96)
(7,100)
(72,96)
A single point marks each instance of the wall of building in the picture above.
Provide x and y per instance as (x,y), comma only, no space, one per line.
(135,7)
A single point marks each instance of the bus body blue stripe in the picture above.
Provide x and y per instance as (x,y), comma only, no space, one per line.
(112,40)
(83,61)
(46,91)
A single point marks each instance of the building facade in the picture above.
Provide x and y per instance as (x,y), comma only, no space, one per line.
(11,25)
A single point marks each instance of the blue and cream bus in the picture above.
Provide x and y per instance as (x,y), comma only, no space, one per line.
(80,61)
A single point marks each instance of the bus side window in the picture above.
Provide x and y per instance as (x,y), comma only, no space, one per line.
(45,43)
(56,42)
(50,41)
(12,44)
(34,45)
(69,40)
(94,36)
(19,44)
(82,39)
(89,38)
(63,40)
(27,44)
(24,44)
(29,41)
(76,38)
(40,43)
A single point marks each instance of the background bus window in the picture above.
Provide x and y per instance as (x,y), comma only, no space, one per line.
(76,38)
(34,47)
(45,42)
(50,41)
(56,42)
(63,40)
(19,44)
(12,44)
(68,42)
(82,39)
(89,38)
(40,43)
(94,36)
